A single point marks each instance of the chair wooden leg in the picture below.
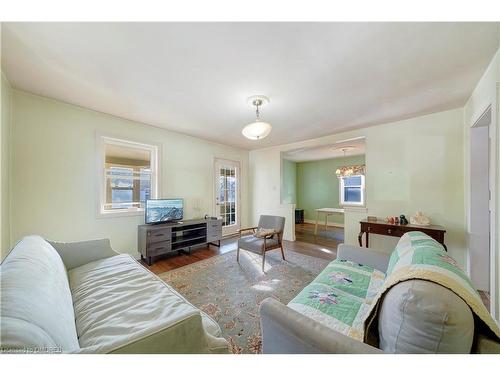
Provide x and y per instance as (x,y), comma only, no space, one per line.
(263,260)
(238,255)
(282,252)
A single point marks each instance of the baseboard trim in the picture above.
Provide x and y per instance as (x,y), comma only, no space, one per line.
(322,223)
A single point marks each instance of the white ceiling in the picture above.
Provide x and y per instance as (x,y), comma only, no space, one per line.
(352,148)
(194,78)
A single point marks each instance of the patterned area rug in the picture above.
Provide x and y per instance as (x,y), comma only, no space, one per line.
(231,292)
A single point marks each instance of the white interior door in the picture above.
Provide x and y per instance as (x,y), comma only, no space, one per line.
(479,236)
(227,195)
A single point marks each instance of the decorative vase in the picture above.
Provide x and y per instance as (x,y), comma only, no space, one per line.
(419,219)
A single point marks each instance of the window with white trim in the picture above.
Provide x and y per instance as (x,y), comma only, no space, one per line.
(129,175)
(352,190)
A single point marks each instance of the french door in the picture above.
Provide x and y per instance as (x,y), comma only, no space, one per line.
(227,195)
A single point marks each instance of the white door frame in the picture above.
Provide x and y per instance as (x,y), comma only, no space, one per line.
(231,229)
(493,147)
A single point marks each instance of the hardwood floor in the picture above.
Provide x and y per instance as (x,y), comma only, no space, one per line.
(171,262)
(323,248)
(329,239)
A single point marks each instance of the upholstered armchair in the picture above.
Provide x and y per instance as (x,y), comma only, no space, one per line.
(268,235)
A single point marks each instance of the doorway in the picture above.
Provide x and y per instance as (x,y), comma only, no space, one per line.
(481,219)
(321,182)
(227,195)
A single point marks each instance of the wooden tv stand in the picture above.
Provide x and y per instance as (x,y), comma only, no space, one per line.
(161,239)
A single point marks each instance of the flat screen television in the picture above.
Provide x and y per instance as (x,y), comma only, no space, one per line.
(164,210)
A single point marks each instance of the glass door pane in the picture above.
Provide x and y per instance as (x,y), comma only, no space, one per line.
(227,195)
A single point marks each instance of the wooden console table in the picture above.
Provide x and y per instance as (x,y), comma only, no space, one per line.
(397,230)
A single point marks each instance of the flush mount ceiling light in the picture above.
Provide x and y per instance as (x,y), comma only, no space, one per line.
(257,129)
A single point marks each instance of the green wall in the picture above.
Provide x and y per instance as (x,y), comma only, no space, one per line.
(412,165)
(289,181)
(55,181)
(318,187)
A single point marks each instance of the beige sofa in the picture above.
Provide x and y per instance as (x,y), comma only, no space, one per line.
(85,298)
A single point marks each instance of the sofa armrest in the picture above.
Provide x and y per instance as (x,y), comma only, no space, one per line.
(366,256)
(76,254)
(285,331)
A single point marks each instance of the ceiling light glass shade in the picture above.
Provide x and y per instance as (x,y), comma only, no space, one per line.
(257,130)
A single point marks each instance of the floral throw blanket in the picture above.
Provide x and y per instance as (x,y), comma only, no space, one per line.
(417,256)
(346,296)
(340,297)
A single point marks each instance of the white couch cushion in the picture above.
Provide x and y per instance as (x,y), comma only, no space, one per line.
(35,299)
(117,301)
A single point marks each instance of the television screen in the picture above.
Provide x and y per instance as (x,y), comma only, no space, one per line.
(163,210)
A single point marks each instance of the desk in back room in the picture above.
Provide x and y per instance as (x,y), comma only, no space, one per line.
(327,212)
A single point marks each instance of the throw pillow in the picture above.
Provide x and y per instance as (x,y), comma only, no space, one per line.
(262,232)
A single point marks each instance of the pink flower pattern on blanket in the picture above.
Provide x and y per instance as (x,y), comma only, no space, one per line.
(323,297)
(340,277)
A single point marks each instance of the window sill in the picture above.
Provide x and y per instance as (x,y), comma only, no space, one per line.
(114,214)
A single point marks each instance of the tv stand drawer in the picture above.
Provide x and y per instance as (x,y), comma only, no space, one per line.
(214,230)
(158,235)
(159,248)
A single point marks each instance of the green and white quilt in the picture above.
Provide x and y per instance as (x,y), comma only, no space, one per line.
(340,297)
(346,296)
